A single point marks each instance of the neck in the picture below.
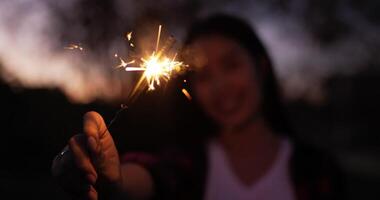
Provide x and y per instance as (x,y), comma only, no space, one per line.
(251,150)
(256,136)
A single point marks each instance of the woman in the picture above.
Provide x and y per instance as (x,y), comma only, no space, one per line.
(249,156)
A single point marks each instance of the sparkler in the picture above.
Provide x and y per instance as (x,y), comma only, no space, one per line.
(156,67)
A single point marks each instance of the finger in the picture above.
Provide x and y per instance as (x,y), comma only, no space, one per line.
(95,129)
(81,158)
(93,125)
(96,154)
(94,146)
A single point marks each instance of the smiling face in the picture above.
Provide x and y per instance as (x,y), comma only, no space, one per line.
(226,85)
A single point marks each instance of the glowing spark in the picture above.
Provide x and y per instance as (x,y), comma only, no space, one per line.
(129,36)
(158,37)
(74,46)
(123,63)
(186,93)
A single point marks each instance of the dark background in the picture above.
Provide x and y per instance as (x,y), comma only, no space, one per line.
(37,123)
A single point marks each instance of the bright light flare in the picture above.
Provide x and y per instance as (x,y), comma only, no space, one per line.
(156,67)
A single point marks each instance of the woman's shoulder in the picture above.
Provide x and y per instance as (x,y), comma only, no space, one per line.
(316,171)
(306,158)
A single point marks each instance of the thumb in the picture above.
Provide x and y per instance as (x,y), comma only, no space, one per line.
(104,154)
(95,130)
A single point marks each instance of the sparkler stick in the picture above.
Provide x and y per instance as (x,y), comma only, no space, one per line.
(123,107)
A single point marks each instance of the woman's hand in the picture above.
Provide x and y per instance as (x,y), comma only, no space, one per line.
(89,159)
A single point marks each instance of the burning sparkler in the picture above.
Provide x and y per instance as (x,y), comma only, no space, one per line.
(156,67)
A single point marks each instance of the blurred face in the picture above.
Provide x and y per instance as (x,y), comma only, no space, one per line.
(226,85)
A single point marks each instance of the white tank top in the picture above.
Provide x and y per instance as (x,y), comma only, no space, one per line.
(222,183)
